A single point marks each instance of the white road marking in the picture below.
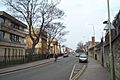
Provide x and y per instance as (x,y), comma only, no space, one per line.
(70,78)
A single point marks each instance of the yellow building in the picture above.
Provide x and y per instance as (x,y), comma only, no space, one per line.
(55,47)
(12,36)
(41,47)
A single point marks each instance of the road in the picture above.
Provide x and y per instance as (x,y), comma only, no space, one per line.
(59,70)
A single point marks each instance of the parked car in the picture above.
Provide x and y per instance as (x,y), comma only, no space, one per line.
(65,55)
(83,58)
(77,55)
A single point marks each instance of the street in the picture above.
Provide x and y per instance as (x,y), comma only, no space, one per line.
(59,70)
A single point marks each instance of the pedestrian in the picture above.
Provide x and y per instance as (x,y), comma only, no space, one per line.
(56,57)
(47,55)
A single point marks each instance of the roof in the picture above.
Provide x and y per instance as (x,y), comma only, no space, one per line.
(8,16)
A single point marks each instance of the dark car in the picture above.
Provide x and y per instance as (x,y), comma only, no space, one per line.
(83,58)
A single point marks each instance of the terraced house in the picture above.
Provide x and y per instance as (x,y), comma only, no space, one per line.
(12,35)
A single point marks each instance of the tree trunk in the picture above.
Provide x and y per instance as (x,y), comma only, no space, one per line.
(31,52)
(49,48)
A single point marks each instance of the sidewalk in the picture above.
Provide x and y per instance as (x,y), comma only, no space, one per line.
(95,71)
(25,66)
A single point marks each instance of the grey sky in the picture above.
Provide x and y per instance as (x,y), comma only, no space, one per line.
(82,15)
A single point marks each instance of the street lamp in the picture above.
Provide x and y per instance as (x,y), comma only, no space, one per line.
(109,26)
(93,44)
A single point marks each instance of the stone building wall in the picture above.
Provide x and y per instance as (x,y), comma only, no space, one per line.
(116,53)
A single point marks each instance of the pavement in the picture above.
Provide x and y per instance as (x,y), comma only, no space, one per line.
(25,66)
(95,71)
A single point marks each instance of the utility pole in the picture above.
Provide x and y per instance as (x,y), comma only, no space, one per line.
(110,46)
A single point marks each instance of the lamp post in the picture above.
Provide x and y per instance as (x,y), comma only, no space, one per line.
(93,44)
(111,57)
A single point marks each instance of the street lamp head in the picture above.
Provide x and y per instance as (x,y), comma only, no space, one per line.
(105,22)
(107,27)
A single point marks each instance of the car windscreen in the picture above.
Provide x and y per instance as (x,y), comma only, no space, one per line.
(83,56)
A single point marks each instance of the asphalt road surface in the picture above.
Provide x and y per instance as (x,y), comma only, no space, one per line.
(59,70)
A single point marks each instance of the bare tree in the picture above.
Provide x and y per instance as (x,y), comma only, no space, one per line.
(80,47)
(61,35)
(35,13)
(55,30)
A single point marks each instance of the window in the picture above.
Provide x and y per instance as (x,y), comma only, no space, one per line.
(119,17)
(14,38)
(1,20)
(16,26)
(21,28)
(2,34)
(12,25)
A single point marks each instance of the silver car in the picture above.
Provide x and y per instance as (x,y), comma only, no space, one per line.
(65,55)
(77,55)
(83,58)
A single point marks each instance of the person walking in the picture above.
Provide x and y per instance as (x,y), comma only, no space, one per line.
(56,57)
(47,55)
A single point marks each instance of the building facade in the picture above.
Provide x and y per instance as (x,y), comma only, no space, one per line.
(56,47)
(41,47)
(12,34)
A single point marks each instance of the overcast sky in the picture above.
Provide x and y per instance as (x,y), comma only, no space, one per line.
(82,15)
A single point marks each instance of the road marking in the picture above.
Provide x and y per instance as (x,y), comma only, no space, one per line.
(79,73)
(70,78)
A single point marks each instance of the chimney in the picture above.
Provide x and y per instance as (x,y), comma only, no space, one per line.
(93,41)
